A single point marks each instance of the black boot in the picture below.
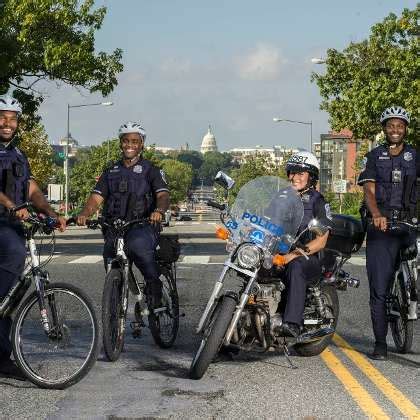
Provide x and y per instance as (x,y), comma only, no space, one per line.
(8,369)
(290,329)
(380,352)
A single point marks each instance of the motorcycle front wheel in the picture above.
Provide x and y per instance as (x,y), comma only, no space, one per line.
(62,354)
(402,328)
(113,314)
(330,299)
(213,336)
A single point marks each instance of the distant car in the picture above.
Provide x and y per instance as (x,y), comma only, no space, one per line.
(183,218)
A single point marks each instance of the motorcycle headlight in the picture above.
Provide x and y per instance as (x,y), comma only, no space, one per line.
(249,256)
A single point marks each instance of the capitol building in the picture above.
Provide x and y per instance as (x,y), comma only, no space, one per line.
(209,142)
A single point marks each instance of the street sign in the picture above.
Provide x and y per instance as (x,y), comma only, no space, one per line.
(340,186)
(55,192)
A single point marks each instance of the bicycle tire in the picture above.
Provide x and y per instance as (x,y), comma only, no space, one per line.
(113,316)
(59,337)
(165,335)
(402,328)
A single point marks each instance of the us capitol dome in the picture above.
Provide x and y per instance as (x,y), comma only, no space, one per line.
(209,142)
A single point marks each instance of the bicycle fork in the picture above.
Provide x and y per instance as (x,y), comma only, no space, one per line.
(39,276)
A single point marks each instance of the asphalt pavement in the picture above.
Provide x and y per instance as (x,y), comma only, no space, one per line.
(148,382)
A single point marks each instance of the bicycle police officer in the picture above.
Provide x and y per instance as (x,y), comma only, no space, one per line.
(303,173)
(16,187)
(389,185)
(130,189)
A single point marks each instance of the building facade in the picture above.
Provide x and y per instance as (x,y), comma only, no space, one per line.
(275,154)
(338,154)
(209,142)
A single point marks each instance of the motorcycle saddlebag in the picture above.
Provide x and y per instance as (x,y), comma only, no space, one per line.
(168,248)
(347,234)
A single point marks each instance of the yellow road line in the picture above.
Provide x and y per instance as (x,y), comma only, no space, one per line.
(386,387)
(353,387)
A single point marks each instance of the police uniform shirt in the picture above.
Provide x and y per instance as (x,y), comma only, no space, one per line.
(117,183)
(315,206)
(15,174)
(392,176)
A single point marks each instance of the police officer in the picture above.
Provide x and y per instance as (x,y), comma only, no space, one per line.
(133,188)
(303,172)
(389,185)
(16,187)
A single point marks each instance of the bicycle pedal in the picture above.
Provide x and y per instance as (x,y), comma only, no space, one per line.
(136,327)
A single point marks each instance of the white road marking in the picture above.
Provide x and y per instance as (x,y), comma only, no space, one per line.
(195,259)
(87,259)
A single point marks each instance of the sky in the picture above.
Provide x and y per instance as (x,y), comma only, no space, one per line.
(232,64)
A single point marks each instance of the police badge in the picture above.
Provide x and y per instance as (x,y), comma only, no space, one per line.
(138,169)
(408,156)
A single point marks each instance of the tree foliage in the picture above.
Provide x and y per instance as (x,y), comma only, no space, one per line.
(369,76)
(214,162)
(53,40)
(33,141)
(179,176)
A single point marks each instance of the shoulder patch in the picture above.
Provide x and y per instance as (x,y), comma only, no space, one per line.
(162,174)
(328,211)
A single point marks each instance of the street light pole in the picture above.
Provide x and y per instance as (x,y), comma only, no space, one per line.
(276,119)
(66,156)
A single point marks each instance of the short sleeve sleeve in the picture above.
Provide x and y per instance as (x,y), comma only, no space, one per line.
(158,180)
(368,173)
(322,211)
(101,186)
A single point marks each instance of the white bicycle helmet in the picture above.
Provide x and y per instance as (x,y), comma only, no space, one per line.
(132,127)
(7,103)
(303,162)
(395,112)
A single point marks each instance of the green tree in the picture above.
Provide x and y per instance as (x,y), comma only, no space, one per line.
(369,76)
(195,159)
(179,176)
(33,141)
(53,40)
(214,162)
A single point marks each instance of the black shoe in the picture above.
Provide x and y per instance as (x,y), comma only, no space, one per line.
(380,352)
(290,329)
(8,369)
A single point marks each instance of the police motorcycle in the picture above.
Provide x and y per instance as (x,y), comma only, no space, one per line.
(260,228)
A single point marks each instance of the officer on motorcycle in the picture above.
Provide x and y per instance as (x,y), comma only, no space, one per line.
(303,172)
(389,185)
(130,189)
(16,187)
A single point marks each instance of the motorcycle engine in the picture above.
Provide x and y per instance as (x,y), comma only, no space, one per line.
(269,295)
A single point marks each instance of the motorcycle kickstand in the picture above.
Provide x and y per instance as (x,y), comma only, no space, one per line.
(287,354)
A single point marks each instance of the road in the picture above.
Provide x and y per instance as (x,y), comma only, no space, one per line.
(148,382)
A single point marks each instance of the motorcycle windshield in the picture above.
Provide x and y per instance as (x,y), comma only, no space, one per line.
(268,213)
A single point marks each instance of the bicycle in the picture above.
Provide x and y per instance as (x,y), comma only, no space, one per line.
(54,334)
(401,304)
(163,322)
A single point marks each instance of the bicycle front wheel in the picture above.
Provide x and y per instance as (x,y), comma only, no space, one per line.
(62,354)
(402,328)
(113,314)
(164,321)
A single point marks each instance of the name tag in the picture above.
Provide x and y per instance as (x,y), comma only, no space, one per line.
(384,158)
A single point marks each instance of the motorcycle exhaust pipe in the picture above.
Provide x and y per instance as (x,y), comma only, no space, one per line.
(315,335)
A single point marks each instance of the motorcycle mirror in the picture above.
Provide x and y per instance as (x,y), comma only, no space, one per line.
(317,227)
(224,180)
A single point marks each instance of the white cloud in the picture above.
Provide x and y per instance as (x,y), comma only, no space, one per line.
(263,63)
